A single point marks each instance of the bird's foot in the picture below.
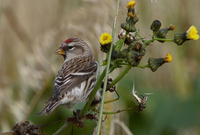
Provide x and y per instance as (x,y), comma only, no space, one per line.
(79,120)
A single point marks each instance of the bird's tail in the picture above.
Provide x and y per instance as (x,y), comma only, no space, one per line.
(52,103)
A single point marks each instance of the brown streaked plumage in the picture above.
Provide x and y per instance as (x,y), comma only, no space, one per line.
(76,78)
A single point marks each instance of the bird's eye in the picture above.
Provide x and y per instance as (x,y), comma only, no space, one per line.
(70,47)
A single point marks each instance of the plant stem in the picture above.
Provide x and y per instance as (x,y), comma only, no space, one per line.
(120,76)
(64,127)
(139,35)
(122,63)
(163,39)
(120,59)
(107,71)
(143,66)
(109,101)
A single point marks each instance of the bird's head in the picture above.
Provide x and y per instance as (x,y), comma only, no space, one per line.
(72,48)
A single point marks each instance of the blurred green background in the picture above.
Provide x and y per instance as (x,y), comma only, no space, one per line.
(31,30)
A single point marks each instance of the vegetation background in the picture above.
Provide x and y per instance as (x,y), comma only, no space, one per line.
(31,30)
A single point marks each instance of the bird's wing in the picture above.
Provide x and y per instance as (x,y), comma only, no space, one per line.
(72,74)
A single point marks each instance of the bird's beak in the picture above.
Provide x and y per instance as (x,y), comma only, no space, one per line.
(60,51)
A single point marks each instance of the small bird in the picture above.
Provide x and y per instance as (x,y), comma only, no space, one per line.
(76,78)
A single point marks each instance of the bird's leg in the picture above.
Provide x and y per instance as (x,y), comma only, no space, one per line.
(76,119)
(76,114)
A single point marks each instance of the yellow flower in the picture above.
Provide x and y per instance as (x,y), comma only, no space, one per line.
(131,4)
(105,38)
(192,33)
(168,58)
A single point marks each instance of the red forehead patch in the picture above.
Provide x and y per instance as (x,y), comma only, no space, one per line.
(68,40)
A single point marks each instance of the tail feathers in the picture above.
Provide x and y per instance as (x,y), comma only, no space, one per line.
(52,104)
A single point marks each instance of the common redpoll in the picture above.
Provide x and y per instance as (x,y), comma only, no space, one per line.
(76,78)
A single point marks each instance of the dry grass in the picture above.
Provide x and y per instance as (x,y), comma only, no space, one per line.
(31,30)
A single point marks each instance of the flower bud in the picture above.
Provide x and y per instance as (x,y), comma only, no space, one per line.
(128,26)
(133,58)
(123,54)
(180,38)
(105,48)
(114,55)
(155,26)
(135,19)
(138,47)
(155,63)
(162,34)
(131,19)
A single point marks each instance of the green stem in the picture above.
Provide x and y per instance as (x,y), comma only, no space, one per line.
(109,101)
(154,33)
(147,42)
(119,46)
(64,127)
(107,71)
(143,66)
(122,63)
(120,76)
(120,59)
(138,34)
(163,39)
